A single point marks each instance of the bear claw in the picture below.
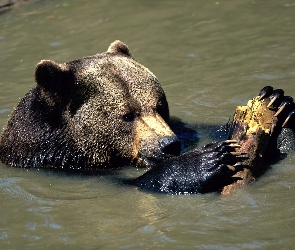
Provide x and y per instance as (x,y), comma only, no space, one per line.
(232,168)
(235,145)
(232,144)
(292,114)
(236,153)
(231,141)
(287,102)
(265,92)
(276,96)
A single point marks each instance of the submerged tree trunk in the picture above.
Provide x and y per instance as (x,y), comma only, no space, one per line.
(256,129)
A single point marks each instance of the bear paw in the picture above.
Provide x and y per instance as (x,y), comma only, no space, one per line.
(284,105)
(200,170)
(219,162)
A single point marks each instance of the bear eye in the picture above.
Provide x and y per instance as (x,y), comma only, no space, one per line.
(162,110)
(129,117)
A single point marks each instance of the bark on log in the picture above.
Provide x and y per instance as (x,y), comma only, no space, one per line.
(255,128)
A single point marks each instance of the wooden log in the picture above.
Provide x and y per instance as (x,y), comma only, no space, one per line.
(255,128)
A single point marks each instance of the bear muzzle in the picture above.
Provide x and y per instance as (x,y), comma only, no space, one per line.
(149,156)
(155,150)
(154,141)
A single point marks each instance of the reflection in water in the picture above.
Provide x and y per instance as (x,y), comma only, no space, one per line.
(148,208)
(210,57)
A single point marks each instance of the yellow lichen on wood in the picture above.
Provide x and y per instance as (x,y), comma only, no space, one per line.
(252,127)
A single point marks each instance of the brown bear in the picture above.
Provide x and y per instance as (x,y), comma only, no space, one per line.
(106,111)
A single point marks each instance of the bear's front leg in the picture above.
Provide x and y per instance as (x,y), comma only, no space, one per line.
(200,170)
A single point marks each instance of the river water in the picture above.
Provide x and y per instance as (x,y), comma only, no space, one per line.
(210,56)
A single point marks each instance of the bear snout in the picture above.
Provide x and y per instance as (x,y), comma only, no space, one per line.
(170,145)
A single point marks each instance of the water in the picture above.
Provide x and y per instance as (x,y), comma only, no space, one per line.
(210,57)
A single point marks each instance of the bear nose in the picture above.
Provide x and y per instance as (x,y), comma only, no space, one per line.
(170,145)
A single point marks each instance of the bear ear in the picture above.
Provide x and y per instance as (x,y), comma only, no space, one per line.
(54,78)
(118,47)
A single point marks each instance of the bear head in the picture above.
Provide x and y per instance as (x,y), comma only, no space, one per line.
(107,109)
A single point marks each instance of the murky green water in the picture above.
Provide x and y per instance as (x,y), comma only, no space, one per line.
(210,56)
